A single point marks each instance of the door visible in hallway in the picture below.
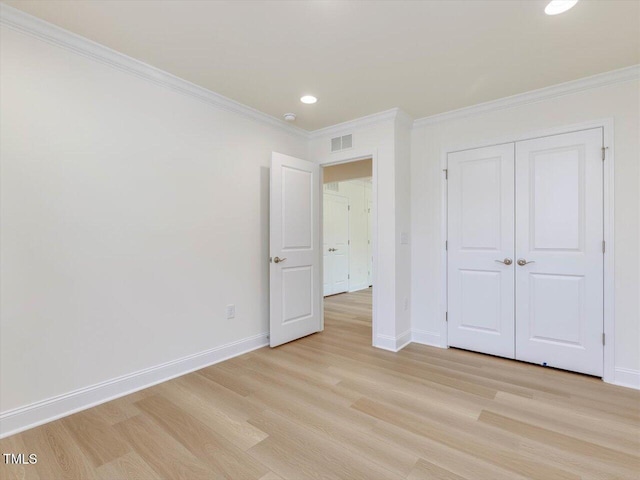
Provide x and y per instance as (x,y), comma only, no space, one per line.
(336,244)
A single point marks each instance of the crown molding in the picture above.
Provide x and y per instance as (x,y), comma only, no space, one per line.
(35,27)
(339,128)
(547,93)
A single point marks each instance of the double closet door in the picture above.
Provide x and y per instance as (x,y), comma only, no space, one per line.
(525,250)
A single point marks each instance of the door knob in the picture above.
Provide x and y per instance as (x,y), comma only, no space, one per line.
(278,259)
(522,262)
(506,261)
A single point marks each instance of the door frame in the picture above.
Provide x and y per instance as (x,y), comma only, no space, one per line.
(607,125)
(348,157)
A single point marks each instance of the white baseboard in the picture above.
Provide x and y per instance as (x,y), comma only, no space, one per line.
(393,344)
(22,418)
(427,338)
(357,288)
(627,377)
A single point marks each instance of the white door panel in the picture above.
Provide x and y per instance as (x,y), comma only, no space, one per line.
(336,243)
(480,238)
(294,221)
(559,295)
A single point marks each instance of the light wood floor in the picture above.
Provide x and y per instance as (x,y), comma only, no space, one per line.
(331,406)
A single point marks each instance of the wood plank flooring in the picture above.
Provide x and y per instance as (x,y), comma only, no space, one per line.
(329,406)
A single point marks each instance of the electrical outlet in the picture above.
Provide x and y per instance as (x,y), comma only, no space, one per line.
(231,311)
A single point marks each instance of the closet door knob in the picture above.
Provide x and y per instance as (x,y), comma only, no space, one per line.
(506,261)
(522,262)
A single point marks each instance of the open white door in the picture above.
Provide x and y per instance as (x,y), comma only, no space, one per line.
(481,250)
(294,269)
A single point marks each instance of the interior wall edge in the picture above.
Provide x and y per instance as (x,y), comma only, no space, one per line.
(391,343)
(45,411)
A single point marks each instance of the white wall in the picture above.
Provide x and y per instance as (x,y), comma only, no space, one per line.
(403,226)
(620,101)
(359,194)
(376,136)
(131,215)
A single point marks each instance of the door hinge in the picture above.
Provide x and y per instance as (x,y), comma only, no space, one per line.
(604,152)
(446,173)
(603,338)
(446,244)
(348,276)
(349,207)
(348,242)
(446,316)
(603,246)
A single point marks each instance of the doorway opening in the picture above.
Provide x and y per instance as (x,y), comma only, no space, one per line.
(347,246)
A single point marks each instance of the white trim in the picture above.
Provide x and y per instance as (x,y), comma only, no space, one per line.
(567,88)
(607,125)
(627,377)
(30,25)
(609,320)
(22,418)
(356,123)
(424,337)
(393,344)
(357,288)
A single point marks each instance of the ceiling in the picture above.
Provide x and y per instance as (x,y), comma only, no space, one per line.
(359,57)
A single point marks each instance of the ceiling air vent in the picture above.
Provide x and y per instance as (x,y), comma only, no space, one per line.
(333,186)
(341,143)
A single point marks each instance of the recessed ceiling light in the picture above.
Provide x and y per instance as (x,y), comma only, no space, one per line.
(559,6)
(309,99)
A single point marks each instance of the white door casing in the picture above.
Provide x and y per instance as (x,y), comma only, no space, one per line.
(335,244)
(369,243)
(295,284)
(559,231)
(481,250)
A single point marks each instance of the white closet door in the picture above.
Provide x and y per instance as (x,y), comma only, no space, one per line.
(336,244)
(559,292)
(481,250)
